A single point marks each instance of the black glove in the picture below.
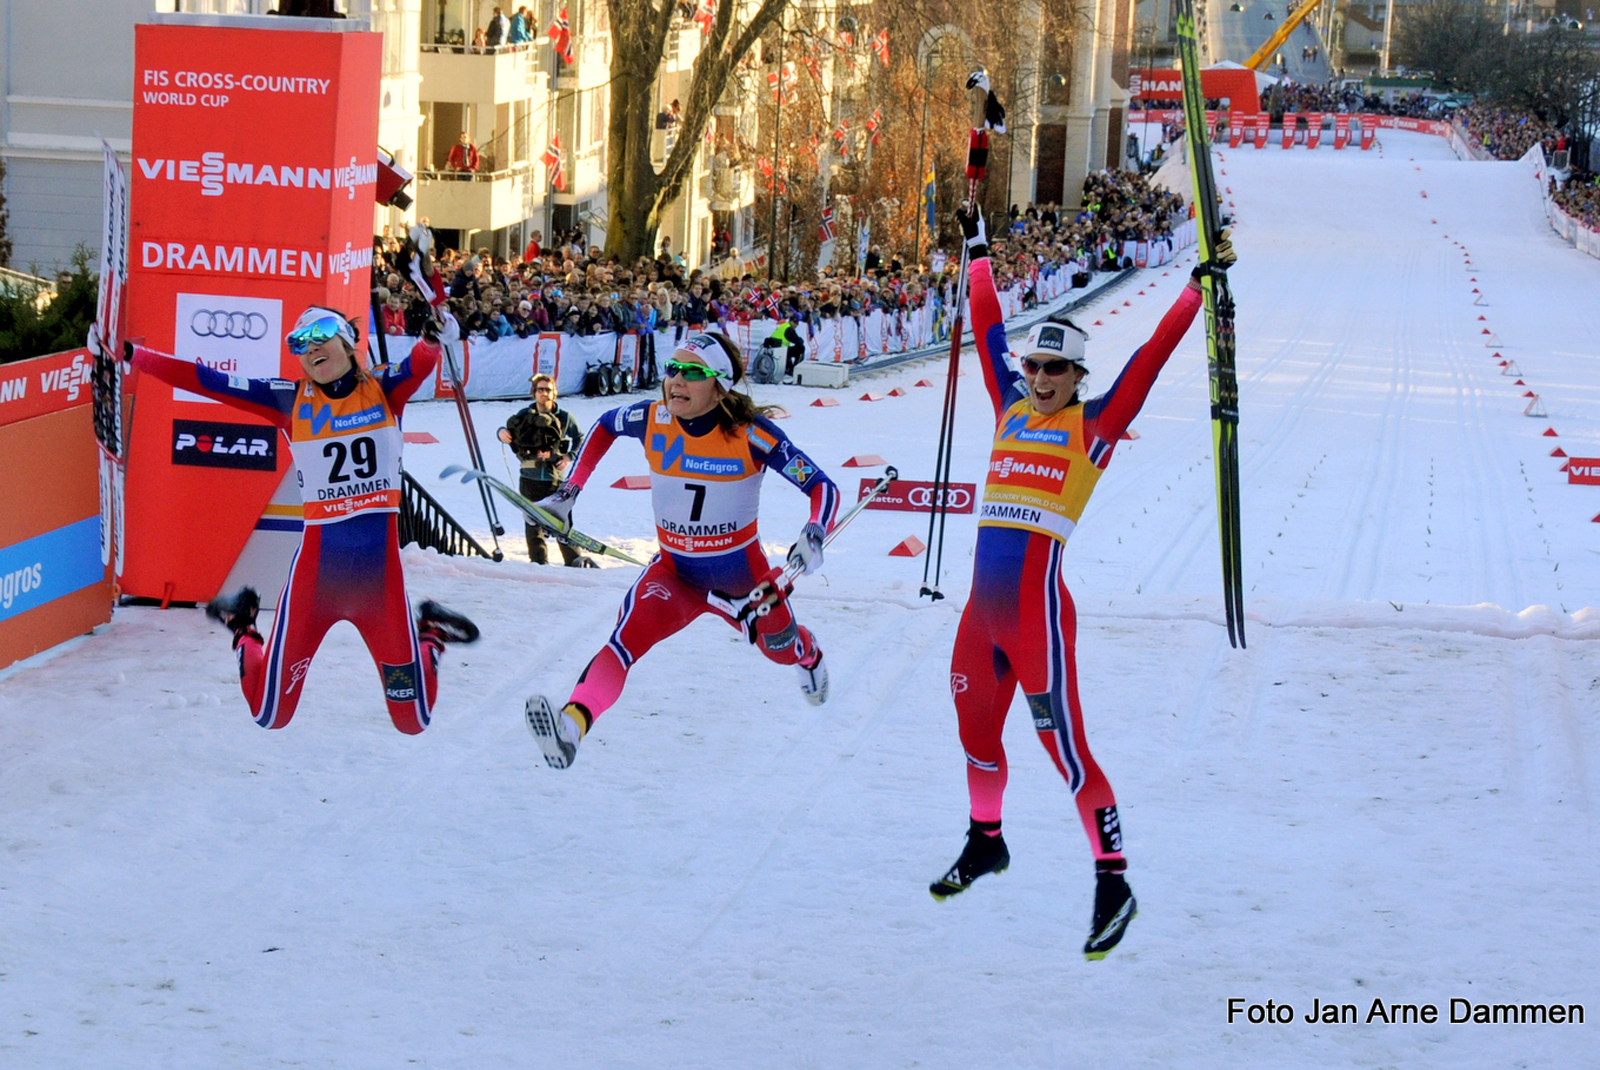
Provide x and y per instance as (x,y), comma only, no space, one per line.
(1222,258)
(970,216)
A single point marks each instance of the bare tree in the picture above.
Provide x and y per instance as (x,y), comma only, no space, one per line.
(638,193)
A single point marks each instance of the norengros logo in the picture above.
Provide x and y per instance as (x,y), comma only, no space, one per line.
(46,567)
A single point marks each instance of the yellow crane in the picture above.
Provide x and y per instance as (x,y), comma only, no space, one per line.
(1264,54)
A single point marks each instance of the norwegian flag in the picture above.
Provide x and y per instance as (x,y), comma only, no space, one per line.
(551,158)
(841,138)
(875,125)
(705,14)
(847,39)
(749,296)
(825,230)
(880,46)
(783,81)
(813,66)
(771,304)
(560,33)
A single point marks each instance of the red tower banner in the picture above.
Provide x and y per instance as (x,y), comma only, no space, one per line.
(1369,132)
(1288,129)
(1341,130)
(1313,129)
(1235,131)
(1263,125)
(254,170)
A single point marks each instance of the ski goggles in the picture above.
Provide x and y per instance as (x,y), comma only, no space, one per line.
(694,373)
(319,330)
(1057,366)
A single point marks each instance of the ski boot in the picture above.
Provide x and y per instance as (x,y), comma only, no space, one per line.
(237,612)
(558,733)
(813,680)
(447,626)
(983,854)
(1114,908)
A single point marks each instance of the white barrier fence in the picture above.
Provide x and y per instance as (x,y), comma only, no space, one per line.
(1583,238)
(502,368)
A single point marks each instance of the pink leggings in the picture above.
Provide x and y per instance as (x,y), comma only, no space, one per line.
(660,604)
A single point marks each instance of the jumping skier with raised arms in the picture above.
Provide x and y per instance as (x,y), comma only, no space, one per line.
(342,422)
(1019,626)
(708,447)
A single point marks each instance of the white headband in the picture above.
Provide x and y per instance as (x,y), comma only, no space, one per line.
(710,352)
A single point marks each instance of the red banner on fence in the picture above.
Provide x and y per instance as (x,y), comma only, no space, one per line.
(1313,129)
(1263,124)
(1341,131)
(914,496)
(1584,470)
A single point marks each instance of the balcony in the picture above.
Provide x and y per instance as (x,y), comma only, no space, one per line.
(456,200)
(486,75)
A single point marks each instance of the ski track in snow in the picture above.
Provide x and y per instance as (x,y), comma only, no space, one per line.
(1389,795)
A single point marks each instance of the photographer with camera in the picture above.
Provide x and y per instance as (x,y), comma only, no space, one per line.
(545,438)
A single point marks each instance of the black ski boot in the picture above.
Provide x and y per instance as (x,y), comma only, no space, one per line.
(1114,908)
(237,612)
(445,625)
(983,854)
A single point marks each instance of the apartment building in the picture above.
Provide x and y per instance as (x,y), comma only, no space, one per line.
(67,67)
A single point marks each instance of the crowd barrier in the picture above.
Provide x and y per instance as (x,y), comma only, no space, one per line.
(1583,238)
(54,581)
(502,368)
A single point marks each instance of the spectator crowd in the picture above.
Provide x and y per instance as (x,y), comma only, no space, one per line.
(567,286)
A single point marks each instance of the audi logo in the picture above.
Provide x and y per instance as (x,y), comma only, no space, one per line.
(243,325)
(954,497)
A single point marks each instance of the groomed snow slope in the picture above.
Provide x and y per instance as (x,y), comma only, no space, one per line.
(1389,795)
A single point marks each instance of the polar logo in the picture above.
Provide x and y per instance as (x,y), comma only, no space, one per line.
(958,683)
(656,590)
(204,444)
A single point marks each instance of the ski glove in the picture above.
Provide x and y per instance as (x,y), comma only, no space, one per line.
(970,216)
(1222,258)
(93,345)
(806,553)
(445,332)
(559,505)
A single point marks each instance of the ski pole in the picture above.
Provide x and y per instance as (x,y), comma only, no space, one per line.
(496,529)
(780,581)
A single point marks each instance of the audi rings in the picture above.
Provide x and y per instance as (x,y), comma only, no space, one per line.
(954,497)
(247,326)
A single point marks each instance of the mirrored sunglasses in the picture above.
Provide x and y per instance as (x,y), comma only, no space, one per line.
(694,373)
(315,333)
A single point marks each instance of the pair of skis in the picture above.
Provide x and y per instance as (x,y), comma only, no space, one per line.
(537,515)
(1219,326)
(772,588)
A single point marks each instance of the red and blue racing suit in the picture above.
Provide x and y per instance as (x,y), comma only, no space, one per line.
(1019,626)
(705,487)
(346,441)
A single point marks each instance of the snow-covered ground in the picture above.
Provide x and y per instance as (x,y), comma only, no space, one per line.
(1390,795)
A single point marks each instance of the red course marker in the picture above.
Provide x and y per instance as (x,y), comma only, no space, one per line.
(633,483)
(823,403)
(865,460)
(908,547)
